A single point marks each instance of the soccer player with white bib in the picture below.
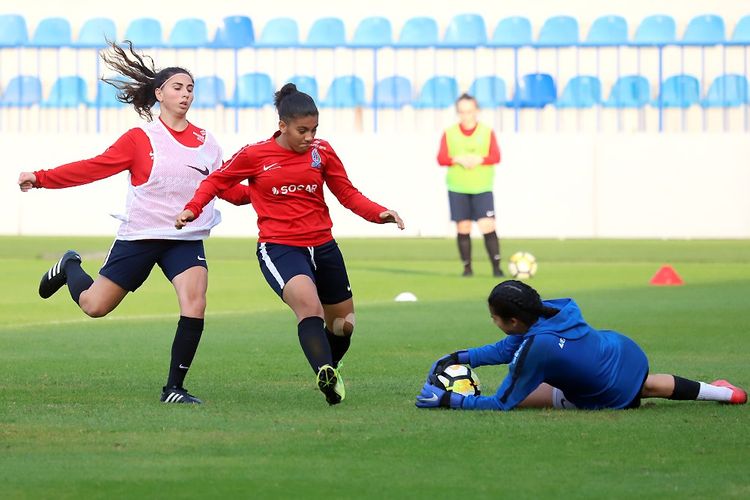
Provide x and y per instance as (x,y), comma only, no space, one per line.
(297,253)
(556,360)
(166,159)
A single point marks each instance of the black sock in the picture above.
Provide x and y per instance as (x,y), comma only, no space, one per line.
(685,389)
(492,244)
(464,249)
(185,344)
(78,280)
(339,345)
(312,338)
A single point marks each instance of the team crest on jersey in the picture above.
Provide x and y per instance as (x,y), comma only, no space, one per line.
(315,163)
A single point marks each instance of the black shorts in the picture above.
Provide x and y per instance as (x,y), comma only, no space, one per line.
(471,206)
(636,402)
(324,264)
(129,263)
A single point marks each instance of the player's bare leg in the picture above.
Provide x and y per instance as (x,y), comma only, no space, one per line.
(101,298)
(541,397)
(678,388)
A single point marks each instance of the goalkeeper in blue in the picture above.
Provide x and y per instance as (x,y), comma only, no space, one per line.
(556,360)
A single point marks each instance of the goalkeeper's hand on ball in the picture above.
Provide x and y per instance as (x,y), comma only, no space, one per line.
(454,358)
(433,396)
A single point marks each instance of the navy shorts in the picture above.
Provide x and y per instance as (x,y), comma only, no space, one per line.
(324,264)
(129,263)
(471,206)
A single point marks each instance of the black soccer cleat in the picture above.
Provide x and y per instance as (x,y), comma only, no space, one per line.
(330,384)
(55,278)
(178,395)
(498,273)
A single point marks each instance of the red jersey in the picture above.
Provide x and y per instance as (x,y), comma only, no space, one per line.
(287,191)
(493,158)
(131,152)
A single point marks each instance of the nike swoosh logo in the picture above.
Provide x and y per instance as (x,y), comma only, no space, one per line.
(348,288)
(431,399)
(266,168)
(201,258)
(183,367)
(203,170)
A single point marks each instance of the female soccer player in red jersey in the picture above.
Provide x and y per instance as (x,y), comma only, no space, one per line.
(297,253)
(166,160)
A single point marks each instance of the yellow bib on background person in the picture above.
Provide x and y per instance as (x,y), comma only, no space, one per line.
(463,180)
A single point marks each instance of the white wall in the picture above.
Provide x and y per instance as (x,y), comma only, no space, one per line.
(548,185)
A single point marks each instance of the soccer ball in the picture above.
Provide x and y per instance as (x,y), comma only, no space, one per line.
(522,265)
(460,379)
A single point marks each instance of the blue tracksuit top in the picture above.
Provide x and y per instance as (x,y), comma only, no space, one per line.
(594,368)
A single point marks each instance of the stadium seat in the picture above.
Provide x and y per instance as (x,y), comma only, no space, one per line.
(727,91)
(326,32)
(630,91)
(67,92)
(438,92)
(95,32)
(144,32)
(534,90)
(281,32)
(655,30)
(106,97)
(345,92)
(581,92)
(558,31)
(209,92)
(13,32)
(236,32)
(393,92)
(373,32)
(608,31)
(704,30)
(741,33)
(679,91)
(22,91)
(419,32)
(189,33)
(52,32)
(512,32)
(306,84)
(489,91)
(465,31)
(252,90)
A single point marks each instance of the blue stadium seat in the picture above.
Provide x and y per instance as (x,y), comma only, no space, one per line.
(326,32)
(144,32)
(52,32)
(209,92)
(393,92)
(306,84)
(727,91)
(679,91)
(13,32)
(465,31)
(189,33)
(253,90)
(581,92)
(438,92)
(512,32)
(281,32)
(373,32)
(22,91)
(419,32)
(630,91)
(235,33)
(106,97)
(489,91)
(608,31)
(67,92)
(95,32)
(707,29)
(558,31)
(655,30)
(534,90)
(345,92)
(741,33)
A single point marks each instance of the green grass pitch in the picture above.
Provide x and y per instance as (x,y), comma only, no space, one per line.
(80,418)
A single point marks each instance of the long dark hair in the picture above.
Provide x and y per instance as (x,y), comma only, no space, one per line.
(142,78)
(291,103)
(515,299)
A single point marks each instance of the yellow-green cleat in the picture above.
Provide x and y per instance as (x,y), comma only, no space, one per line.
(331,384)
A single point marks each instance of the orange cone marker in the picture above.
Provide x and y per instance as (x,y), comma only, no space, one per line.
(666,276)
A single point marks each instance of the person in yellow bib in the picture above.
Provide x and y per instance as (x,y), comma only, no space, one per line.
(470,152)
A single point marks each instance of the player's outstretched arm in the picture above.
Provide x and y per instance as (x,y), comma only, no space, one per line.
(26,181)
(391,216)
(184,217)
